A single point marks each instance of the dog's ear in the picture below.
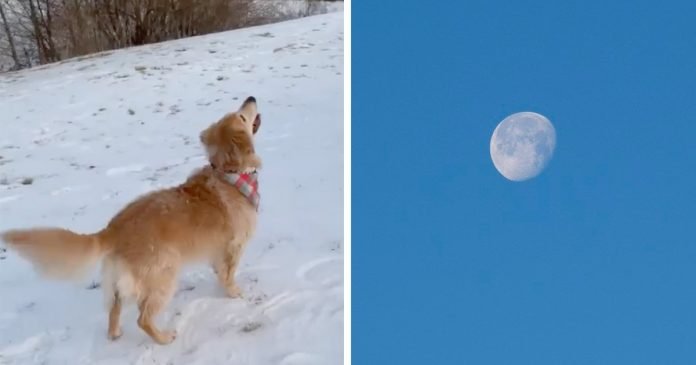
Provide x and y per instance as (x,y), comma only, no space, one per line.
(229,148)
(211,141)
(206,136)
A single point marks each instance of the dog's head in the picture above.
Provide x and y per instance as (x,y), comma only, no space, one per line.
(230,142)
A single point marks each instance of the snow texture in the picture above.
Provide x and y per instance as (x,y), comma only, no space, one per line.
(80,139)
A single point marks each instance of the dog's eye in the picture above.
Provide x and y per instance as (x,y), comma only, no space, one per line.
(243,118)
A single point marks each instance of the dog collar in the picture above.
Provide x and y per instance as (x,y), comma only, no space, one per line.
(247,183)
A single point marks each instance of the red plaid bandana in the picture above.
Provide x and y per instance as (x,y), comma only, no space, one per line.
(248,185)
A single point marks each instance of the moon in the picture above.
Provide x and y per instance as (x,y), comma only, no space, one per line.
(522,145)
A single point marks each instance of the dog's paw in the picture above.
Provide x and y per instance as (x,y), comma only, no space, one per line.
(234,291)
(166,337)
(115,334)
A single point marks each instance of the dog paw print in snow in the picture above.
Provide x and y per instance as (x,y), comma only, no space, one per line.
(257,299)
(264,35)
(174,109)
(251,326)
(27,307)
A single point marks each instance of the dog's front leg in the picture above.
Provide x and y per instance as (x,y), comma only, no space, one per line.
(225,267)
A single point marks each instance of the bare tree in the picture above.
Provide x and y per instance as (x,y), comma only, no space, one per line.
(10,38)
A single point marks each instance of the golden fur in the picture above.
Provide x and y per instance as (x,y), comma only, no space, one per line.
(144,246)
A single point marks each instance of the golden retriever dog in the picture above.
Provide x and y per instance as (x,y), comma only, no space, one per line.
(208,218)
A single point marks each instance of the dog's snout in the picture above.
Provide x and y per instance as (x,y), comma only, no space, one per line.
(250,99)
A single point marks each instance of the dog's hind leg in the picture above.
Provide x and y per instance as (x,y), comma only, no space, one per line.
(113,275)
(149,308)
(115,317)
(157,291)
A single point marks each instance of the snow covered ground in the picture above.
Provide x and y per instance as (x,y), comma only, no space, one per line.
(80,139)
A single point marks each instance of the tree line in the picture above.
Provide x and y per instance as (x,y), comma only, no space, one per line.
(45,31)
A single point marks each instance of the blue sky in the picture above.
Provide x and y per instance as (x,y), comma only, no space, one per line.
(593,261)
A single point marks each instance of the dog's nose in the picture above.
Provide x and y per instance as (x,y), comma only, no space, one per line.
(250,99)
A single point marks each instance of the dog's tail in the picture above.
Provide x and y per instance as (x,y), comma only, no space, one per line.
(55,252)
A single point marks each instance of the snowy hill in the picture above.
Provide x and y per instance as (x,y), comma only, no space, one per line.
(80,139)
